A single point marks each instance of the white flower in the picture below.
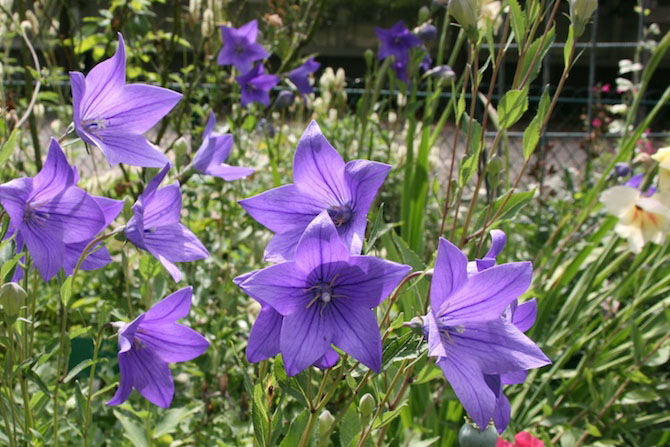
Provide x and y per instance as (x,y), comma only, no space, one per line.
(627,66)
(642,219)
(618,109)
(662,156)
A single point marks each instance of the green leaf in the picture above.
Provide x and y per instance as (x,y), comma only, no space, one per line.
(260,415)
(531,71)
(9,265)
(518,19)
(133,431)
(66,291)
(172,419)
(8,147)
(531,136)
(388,416)
(77,369)
(515,203)
(295,430)
(399,348)
(350,427)
(511,107)
(408,256)
(475,135)
(37,380)
(467,168)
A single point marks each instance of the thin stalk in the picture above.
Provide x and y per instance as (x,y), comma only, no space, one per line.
(8,426)
(87,408)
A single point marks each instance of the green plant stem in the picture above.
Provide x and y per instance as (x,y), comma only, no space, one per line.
(380,407)
(8,426)
(87,408)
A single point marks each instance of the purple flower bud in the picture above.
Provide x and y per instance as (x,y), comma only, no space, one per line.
(284,99)
(441,72)
(427,33)
(621,169)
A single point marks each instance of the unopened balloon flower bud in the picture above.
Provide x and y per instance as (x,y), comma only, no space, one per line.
(470,436)
(38,111)
(424,14)
(580,14)
(194,9)
(325,422)
(621,169)
(207,23)
(284,99)
(427,33)
(366,405)
(466,13)
(369,57)
(12,298)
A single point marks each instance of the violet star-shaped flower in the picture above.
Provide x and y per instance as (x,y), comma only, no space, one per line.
(240,48)
(264,336)
(300,76)
(326,297)
(113,116)
(396,41)
(214,150)
(255,86)
(149,343)
(155,226)
(48,212)
(322,181)
(474,345)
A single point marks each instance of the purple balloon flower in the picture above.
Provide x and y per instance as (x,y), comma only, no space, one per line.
(214,150)
(264,336)
(635,182)
(255,86)
(113,116)
(240,48)
(396,41)
(155,226)
(48,212)
(474,345)
(325,297)
(322,181)
(149,343)
(300,76)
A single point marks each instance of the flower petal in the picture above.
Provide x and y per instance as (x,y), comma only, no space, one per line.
(356,332)
(486,294)
(498,347)
(328,360)
(13,197)
(171,308)
(450,275)
(524,315)
(137,108)
(56,175)
(163,208)
(281,247)
(175,242)
(110,208)
(125,381)
(305,337)
(264,336)
(151,376)
(370,280)
(514,378)
(104,82)
(467,381)
(229,173)
(498,240)
(282,286)
(283,209)
(619,199)
(320,246)
(73,215)
(318,169)
(172,342)
(97,258)
(45,249)
(128,148)
(501,415)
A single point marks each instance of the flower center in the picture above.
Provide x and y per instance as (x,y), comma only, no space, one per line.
(94,126)
(239,49)
(322,294)
(340,214)
(33,215)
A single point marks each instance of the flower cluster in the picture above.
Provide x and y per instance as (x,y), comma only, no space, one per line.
(397,41)
(321,289)
(60,225)
(241,50)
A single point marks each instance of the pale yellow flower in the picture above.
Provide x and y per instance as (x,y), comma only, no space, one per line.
(662,156)
(641,219)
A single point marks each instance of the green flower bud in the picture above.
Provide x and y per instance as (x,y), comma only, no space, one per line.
(580,14)
(366,405)
(466,13)
(469,436)
(325,422)
(12,298)
(494,166)
(369,57)
(424,14)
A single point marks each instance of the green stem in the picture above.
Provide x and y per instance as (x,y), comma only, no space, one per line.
(87,408)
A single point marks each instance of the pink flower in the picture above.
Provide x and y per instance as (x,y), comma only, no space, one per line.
(522,439)
(605,88)
(596,123)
